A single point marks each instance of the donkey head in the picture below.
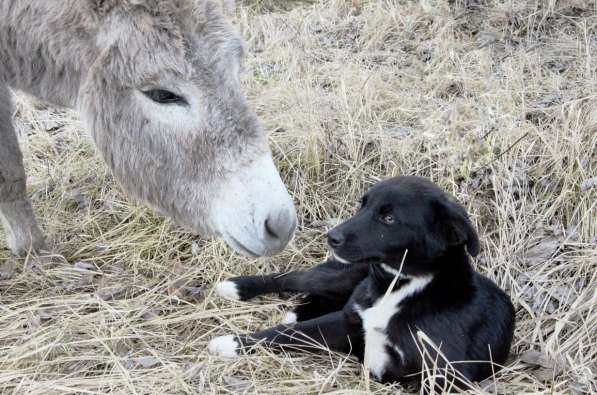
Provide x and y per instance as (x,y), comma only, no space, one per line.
(164,105)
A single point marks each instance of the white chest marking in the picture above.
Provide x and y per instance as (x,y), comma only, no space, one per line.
(375,322)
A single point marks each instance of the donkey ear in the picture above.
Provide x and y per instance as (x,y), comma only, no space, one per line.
(456,228)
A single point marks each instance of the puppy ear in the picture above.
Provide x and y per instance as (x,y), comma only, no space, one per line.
(456,228)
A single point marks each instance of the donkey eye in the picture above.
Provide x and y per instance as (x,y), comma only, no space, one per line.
(388,219)
(163,96)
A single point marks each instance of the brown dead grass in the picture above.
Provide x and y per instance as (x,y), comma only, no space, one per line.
(494,100)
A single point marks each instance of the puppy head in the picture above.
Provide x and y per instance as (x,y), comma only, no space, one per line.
(399,214)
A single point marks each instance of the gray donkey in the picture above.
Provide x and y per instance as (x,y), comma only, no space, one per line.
(157,83)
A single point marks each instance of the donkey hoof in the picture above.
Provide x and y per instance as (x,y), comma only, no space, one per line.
(224,346)
(227,290)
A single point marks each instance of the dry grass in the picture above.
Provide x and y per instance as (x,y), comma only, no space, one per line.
(494,100)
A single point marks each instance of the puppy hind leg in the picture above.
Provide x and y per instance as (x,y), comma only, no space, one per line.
(330,331)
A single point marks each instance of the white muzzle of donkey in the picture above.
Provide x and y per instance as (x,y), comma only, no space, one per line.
(255,214)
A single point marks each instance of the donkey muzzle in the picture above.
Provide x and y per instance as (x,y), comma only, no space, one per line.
(255,214)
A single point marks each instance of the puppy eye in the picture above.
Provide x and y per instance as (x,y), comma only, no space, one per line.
(388,219)
(163,96)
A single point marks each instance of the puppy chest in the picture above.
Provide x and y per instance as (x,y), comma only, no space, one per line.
(375,322)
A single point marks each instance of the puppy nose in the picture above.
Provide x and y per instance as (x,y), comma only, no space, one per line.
(335,238)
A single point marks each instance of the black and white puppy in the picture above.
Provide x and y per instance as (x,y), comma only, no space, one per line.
(400,273)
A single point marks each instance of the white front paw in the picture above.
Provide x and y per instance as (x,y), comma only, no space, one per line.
(227,290)
(224,346)
(289,318)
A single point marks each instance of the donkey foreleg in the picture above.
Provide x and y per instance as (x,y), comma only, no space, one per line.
(22,232)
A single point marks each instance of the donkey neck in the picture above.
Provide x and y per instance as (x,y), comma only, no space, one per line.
(46,48)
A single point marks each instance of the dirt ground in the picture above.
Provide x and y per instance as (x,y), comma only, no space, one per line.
(496,101)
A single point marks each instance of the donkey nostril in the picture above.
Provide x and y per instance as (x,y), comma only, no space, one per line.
(268,229)
(335,239)
(280,228)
